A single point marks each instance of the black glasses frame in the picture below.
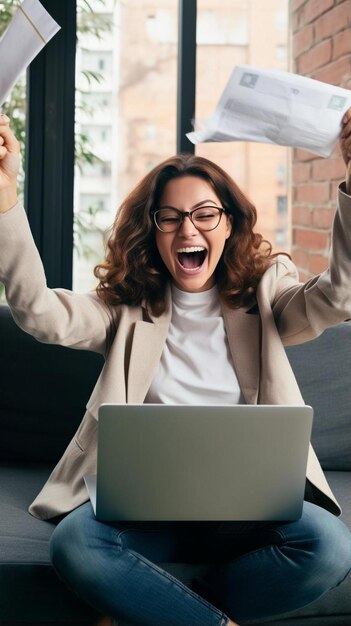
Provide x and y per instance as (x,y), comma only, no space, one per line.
(189,214)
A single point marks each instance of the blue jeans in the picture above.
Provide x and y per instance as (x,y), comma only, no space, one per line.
(258,570)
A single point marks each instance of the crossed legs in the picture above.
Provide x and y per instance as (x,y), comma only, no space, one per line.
(258,569)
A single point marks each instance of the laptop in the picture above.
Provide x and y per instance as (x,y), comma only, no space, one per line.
(158,462)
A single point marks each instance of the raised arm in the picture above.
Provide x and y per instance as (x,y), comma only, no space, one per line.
(304,310)
(51,315)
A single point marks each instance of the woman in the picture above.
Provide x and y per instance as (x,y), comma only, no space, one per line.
(191,307)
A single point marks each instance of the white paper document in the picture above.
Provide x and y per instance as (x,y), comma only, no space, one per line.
(28,32)
(272,106)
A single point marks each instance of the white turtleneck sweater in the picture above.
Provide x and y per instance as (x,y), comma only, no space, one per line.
(196,366)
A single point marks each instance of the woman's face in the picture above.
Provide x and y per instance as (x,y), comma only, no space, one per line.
(192,270)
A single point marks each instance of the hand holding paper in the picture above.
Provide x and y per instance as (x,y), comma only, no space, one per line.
(271,106)
(28,32)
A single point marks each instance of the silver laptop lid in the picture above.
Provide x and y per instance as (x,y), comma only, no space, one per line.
(163,462)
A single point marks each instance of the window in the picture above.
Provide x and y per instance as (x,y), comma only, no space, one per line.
(151,132)
(91,105)
(281,172)
(282,205)
(281,20)
(94,65)
(161,26)
(280,237)
(126,83)
(281,53)
(222,26)
(98,135)
(99,202)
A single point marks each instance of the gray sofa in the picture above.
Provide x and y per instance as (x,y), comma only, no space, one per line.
(43,391)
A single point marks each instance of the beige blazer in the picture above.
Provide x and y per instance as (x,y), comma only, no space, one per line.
(284,312)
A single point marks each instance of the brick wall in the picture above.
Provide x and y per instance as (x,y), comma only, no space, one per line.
(321,42)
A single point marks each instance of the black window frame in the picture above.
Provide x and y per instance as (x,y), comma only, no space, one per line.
(49,173)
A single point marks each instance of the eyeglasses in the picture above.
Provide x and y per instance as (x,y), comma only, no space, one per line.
(204,218)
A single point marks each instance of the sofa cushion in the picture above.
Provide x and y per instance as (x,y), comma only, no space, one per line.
(26,572)
(43,393)
(325,383)
(25,569)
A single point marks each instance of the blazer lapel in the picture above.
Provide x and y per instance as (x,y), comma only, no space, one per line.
(243,332)
(148,342)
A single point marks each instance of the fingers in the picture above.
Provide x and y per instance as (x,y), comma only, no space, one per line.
(345,142)
(8,139)
(2,141)
(3,150)
(345,137)
(347,115)
(346,124)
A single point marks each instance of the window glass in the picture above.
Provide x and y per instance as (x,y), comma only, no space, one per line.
(15,105)
(229,33)
(282,205)
(125,112)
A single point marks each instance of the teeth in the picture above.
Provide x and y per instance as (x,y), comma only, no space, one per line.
(191,249)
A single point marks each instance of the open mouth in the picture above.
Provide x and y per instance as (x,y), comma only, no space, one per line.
(192,258)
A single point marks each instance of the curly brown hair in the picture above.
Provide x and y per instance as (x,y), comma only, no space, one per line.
(133,270)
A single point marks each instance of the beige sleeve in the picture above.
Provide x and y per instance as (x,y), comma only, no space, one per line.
(50,315)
